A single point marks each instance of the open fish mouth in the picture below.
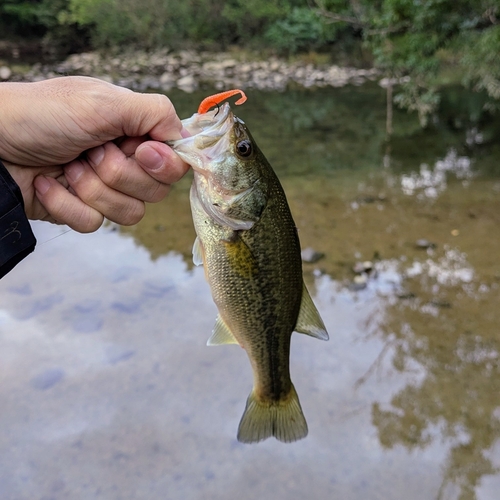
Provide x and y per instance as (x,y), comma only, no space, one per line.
(207,123)
(209,136)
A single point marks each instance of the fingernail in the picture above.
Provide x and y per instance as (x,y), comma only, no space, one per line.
(42,185)
(74,171)
(150,158)
(95,155)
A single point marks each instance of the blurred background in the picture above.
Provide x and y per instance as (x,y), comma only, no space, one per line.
(381,120)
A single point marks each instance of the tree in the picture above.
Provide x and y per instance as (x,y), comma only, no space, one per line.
(419,38)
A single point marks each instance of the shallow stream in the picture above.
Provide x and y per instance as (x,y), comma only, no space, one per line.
(107,390)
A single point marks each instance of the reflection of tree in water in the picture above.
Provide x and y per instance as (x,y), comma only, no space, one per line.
(305,131)
(438,326)
(300,111)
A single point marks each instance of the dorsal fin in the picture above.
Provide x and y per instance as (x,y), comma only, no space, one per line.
(221,334)
(309,321)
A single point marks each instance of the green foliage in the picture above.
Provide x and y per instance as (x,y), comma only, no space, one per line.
(415,38)
(22,12)
(414,97)
(481,59)
(250,19)
(150,23)
(409,38)
(38,20)
(28,17)
(300,29)
(109,21)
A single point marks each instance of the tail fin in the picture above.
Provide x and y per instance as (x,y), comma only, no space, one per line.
(282,419)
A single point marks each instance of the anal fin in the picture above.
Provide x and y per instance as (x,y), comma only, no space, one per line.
(221,334)
(309,321)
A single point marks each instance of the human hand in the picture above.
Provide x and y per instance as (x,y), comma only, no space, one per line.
(46,127)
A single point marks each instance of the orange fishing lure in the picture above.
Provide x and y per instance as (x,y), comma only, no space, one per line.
(213,100)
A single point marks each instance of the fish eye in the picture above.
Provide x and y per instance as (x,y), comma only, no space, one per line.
(244,148)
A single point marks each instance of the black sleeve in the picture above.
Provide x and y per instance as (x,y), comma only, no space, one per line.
(16,237)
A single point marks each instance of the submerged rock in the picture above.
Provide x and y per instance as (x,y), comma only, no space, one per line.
(310,255)
(363,267)
(359,282)
(425,244)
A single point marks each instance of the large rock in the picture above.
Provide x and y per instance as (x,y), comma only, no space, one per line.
(5,72)
(167,80)
(187,83)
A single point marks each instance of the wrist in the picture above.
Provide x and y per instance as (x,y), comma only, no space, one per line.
(7,122)
(16,237)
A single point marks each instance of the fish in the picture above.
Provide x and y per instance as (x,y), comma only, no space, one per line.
(249,246)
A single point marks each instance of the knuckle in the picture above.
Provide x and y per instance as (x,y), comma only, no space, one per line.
(133,215)
(168,110)
(66,208)
(164,103)
(87,221)
(158,193)
(95,195)
(111,173)
(91,226)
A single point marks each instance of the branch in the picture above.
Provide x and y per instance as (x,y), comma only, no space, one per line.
(354,21)
(336,18)
(390,29)
(490,14)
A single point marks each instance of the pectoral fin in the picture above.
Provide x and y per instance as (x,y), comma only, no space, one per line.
(221,334)
(238,211)
(197,252)
(309,321)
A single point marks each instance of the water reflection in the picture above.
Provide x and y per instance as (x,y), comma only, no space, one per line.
(432,182)
(108,390)
(447,326)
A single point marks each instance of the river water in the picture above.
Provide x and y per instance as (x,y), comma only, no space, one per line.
(107,390)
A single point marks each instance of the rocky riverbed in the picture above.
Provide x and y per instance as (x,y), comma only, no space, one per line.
(188,70)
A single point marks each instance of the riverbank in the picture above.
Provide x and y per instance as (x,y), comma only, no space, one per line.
(189,70)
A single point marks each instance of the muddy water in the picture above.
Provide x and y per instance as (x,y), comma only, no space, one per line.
(108,390)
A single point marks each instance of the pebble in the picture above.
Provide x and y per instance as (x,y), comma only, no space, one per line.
(310,255)
(187,83)
(188,70)
(359,282)
(5,72)
(167,80)
(425,244)
(363,267)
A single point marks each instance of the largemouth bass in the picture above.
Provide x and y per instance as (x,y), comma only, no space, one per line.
(248,244)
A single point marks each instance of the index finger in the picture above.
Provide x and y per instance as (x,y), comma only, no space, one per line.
(150,114)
